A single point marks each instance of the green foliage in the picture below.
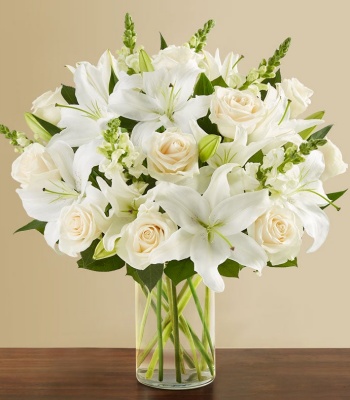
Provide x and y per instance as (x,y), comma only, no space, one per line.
(257,157)
(230,269)
(219,81)
(17,139)
(322,133)
(312,144)
(267,69)
(203,86)
(50,128)
(178,271)
(68,93)
(127,123)
(129,38)
(272,81)
(333,197)
(35,224)
(305,134)
(113,80)
(163,44)
(148,277)
(208,126)
(105,265)
(199,39)
(289,263)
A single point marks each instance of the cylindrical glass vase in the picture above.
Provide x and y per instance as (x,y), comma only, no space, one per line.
(175,334)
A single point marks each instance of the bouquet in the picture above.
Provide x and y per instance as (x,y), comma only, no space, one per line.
(177,165)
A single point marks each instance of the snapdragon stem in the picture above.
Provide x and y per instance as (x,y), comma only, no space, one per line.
(159,329)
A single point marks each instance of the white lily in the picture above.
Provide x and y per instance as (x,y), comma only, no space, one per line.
(300,189)
(85,121)
(164,101)
(211,226)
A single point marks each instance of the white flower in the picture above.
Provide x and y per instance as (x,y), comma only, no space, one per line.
(143,236)
(33,164)
(174,55)
(300,190)
(211,226)
(172,155)
(334,164)
(298,94)
(45,108)
(279,232)
(78,228)
(164,100)
(231,108)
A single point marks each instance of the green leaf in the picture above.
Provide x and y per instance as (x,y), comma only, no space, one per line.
(113,80)
(272,81)
(133,272)
(307,132)
(145,62)
(163,44)
(178,271)
(208,126)
(230,268)
(219,81)
(151,275)
(106,265)
(127,123)
(35,224)
(289,263)
(203,86)
(257,157)
(322,133)
(68,93)
(207,146)
(334,196)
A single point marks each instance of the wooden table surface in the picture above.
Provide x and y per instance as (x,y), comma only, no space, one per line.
(89,374)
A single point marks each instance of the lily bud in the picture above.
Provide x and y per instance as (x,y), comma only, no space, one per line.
(145,62)
(207,146)
(34,124)
(101,252)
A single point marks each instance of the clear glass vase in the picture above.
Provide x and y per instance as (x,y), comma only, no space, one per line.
(175,334)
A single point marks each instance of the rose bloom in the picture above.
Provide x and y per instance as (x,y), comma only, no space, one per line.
(78,229)
(174,55)
(279,232)
(45,108)
(146,233)
(33,164)
(232,107)
(298,94)
(172,155)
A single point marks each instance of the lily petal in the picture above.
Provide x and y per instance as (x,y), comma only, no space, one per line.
(176,247)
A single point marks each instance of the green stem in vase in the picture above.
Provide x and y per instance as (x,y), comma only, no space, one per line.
(144,316)
(159,329)
(207,321)
(175,317)
(201,315)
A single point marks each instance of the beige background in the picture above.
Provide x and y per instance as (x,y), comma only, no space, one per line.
(44,299)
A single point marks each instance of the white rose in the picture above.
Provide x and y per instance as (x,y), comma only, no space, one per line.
(231,108)
(45,108)
(172,155)
(334,164)
(33,164)
(174,55)
(279,232)
(77,228)
(146,233)
(298,94)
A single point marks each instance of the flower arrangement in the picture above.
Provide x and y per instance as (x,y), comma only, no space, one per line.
(177,166)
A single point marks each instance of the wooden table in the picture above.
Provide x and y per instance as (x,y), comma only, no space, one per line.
(89,374)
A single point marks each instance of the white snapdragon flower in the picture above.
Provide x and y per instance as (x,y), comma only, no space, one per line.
(35,163)
(172,155)
(45,108)
(279,232)
(164,100)
(147,233)
(298,94)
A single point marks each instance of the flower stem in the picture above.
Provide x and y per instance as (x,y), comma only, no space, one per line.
(144,317)
(201,315)
(175,317)
(159,329)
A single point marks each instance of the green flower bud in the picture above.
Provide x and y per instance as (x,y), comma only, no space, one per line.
(207,146)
